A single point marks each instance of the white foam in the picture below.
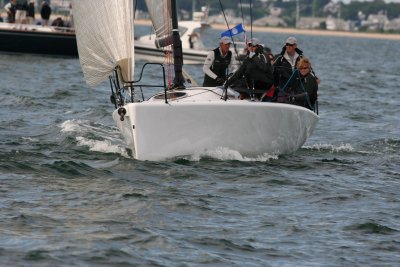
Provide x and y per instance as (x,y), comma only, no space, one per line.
(104,146)
(80,128)
(228,154)
(333,148)
(71,126)
(31,139)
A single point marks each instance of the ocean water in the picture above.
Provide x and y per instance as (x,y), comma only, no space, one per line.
(72,195)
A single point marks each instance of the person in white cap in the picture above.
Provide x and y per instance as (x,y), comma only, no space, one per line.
(285,64)
(256,70)
(219,63)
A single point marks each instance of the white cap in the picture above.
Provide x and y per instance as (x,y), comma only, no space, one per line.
(291,40)
(254,41)
(225,40)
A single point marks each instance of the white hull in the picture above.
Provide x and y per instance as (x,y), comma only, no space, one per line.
(193,121)
(158,131)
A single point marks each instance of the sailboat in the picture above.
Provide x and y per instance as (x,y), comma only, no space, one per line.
(148,49)
(178,121)
(152,48)
(35,39)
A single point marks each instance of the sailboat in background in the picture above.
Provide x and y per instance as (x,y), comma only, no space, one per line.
(178,121)
(35,39)
(153,47)
(150,48)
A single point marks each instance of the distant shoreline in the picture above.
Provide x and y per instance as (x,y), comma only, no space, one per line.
(293,31)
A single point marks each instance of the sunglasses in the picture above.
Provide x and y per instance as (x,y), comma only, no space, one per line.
(290,44)
(304,68)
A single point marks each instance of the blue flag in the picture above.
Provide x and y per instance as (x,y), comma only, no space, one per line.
(234,31)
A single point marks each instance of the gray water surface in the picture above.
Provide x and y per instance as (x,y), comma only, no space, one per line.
(72,195)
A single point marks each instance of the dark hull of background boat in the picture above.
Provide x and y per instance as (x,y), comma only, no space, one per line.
(64,44)
(49,43)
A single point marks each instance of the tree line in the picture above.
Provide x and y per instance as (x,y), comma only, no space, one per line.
(308,8)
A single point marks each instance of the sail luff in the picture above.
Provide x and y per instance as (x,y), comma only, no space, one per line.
(104,31)
(164,17)
(160,15)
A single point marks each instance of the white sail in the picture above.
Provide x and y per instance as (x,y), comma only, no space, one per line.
(104,31)
(160,15)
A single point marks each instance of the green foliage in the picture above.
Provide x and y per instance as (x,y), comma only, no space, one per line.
(308,8)
(350,11)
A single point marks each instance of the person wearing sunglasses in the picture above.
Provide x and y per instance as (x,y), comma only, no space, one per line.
(285,64)
(304,87)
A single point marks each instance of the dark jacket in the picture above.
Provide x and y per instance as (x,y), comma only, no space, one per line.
(303,90)
(219,67)
(58,22)
(31,10)
(45,11)
(283,69)
(257,72)
(21,5)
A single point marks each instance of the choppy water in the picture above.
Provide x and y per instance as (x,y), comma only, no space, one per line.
(71,194)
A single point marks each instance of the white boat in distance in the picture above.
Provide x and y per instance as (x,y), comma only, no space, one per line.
(178,121)
(194,52)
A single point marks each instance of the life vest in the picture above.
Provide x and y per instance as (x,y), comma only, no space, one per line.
(219,67)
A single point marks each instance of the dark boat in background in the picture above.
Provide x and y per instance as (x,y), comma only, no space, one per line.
(61,41)
(34,39)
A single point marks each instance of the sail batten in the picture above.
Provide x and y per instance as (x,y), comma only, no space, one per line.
(105,35)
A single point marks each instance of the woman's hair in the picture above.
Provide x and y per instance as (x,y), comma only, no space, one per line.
(304,62)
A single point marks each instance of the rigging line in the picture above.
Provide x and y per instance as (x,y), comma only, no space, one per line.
(251,21)
(242,14)
(168,40)
(205,92)
(134,10)
(304,90)
(132,38)
(227,25)
(241,10)
(190,77)
(171,62)
(288,81)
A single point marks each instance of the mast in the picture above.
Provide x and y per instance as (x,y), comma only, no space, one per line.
(193,8)
(177,47)
(297,13)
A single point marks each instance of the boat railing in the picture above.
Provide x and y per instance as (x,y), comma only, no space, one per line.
(149,85)
(120,87)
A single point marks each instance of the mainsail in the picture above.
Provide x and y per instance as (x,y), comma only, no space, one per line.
(104,31)
(160,15)
(164,17)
